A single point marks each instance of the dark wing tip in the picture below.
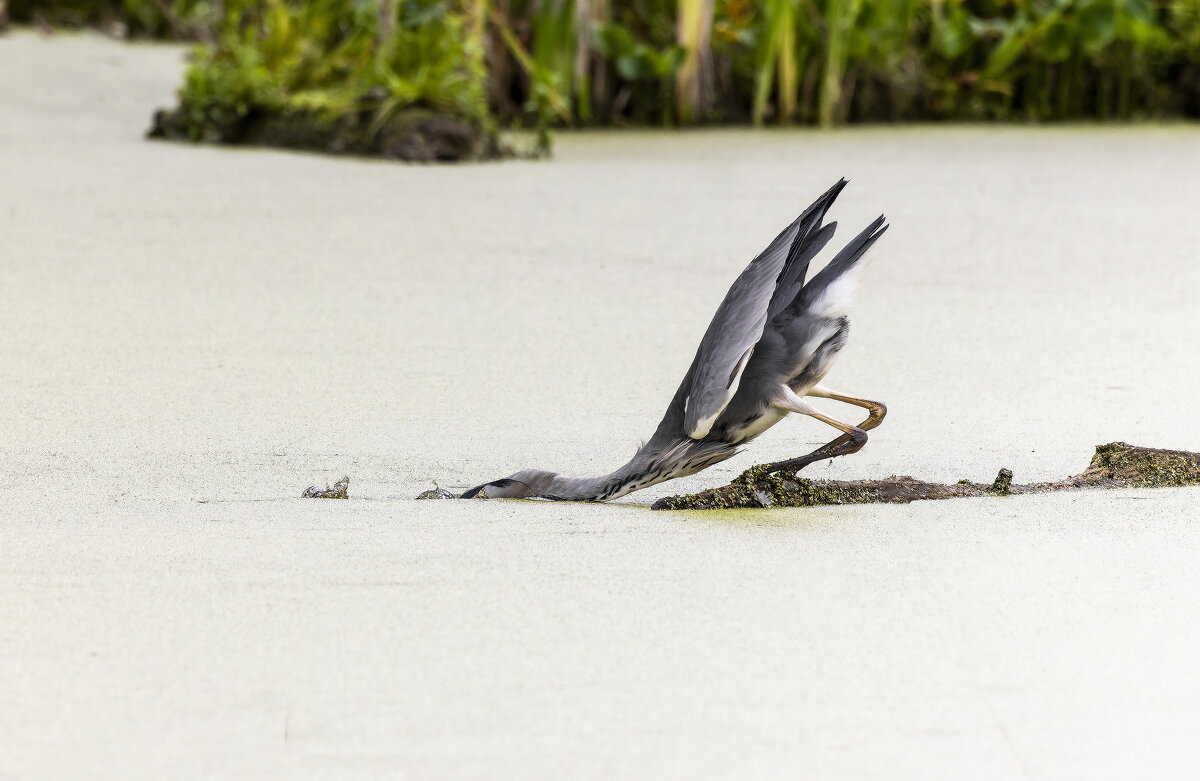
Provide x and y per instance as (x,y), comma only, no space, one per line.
(835,191)
(810,222)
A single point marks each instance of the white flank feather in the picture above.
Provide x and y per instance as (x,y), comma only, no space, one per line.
(835,299)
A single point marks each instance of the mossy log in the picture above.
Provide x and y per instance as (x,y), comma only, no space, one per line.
(1115,465)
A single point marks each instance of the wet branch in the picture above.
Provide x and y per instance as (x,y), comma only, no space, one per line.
(1115,465)
(340,490)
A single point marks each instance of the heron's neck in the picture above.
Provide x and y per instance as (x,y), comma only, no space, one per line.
(594,489)
(650,466)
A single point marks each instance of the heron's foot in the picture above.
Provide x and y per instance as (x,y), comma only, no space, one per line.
(850,442)
(791,466)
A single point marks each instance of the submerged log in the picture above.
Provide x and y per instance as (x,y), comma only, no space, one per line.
(1115,465)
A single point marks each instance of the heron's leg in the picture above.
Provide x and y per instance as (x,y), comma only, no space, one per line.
(876,410)
(851,441)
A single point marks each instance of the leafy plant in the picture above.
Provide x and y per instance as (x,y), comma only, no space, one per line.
(324,57)
(638,63)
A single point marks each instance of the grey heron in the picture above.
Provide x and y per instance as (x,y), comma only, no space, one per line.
(769,345)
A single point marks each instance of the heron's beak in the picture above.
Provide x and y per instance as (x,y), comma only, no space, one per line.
(501,489)
(475,492)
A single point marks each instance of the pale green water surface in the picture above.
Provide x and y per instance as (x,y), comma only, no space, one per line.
(193,335)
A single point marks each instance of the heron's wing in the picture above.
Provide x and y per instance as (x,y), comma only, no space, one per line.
(738,323)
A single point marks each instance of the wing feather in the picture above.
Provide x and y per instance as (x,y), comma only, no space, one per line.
(738,323)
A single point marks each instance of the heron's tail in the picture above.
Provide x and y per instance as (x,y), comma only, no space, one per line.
(828,294)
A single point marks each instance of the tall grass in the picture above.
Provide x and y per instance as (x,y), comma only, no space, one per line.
(693,26)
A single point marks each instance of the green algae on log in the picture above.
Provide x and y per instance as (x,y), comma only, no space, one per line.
(1115,465)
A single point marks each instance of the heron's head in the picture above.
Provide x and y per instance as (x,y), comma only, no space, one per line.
(527,482)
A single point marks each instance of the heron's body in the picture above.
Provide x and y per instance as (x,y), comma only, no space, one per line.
(771,343)
(799,356)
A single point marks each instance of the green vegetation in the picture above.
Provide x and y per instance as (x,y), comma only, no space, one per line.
(324,57)
(345,74)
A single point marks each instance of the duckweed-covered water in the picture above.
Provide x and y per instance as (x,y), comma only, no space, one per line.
(192,336)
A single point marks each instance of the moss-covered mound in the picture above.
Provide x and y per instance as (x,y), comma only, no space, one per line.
(414,134)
